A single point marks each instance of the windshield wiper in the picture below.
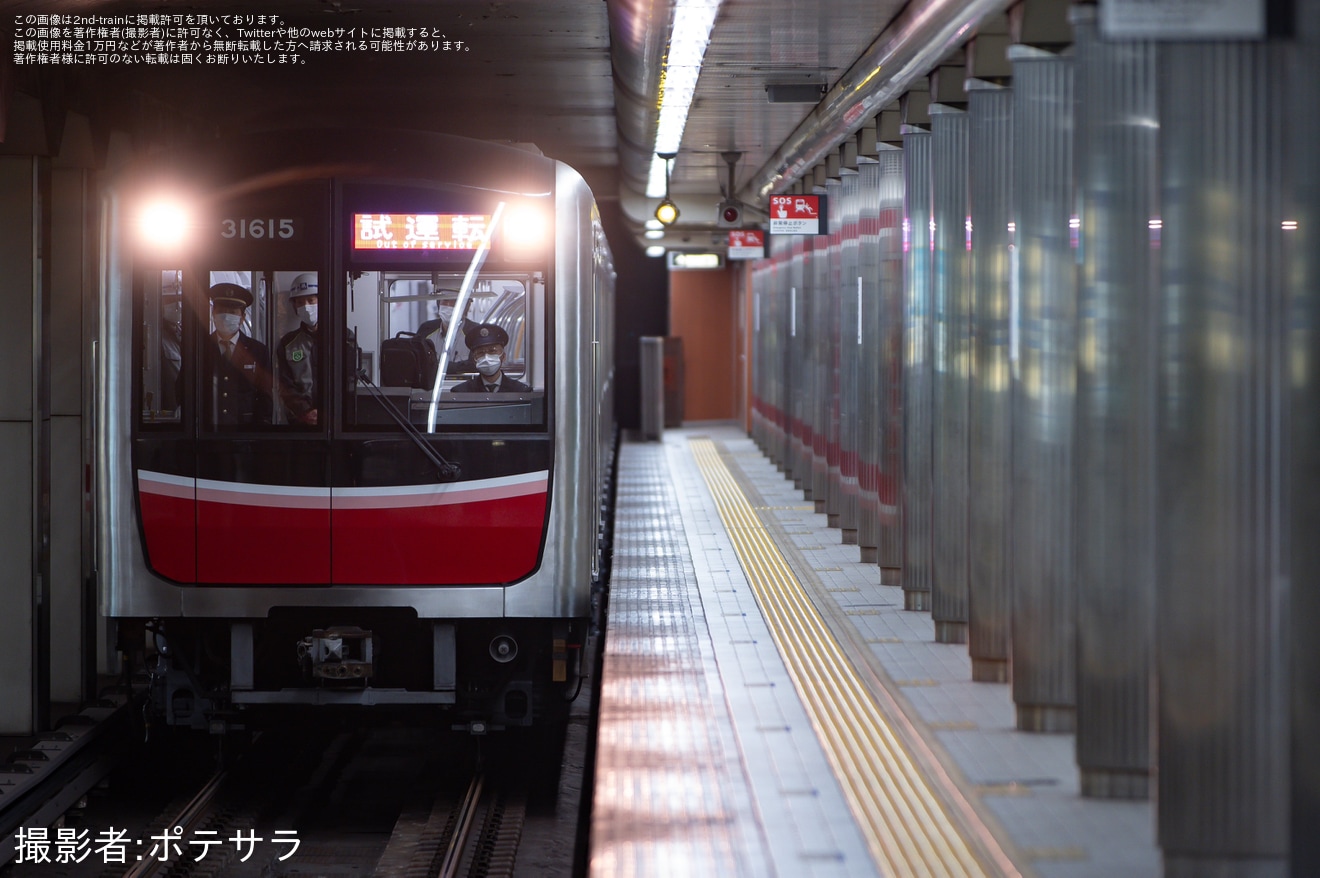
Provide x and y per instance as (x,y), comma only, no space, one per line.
(445,469)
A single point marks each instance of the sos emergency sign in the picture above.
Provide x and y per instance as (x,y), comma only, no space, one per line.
(796,215)
(746,244)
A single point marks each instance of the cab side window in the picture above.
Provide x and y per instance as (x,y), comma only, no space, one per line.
(162,347)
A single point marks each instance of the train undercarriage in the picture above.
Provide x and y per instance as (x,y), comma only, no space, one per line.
(480,675)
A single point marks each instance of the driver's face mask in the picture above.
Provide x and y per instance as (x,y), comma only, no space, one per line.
(488,364)
(227,324)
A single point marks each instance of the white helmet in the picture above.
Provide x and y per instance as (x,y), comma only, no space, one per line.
(303,285)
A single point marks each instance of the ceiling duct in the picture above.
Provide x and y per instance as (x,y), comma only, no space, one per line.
(639,30)
(919,38)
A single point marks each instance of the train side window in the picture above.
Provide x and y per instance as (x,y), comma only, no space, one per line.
(162,346)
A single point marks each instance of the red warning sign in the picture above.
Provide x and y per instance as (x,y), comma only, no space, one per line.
(795,215)
(746,244)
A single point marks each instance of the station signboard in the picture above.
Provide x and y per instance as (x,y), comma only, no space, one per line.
(796,215)
(746,244)
(680,260)
(1183,19)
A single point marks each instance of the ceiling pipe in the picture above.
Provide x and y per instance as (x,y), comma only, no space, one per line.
(921,36)
(639,31)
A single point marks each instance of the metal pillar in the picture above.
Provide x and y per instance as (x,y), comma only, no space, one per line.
(1044,389)
(871,397)
(652,359)
(990,179)
(25,445)
(917,340)
(951,362)
(1221,558)
(775,363)
(823,346)
(890,478)
(850,354)
(73,604)
(831,349)
(1303,244)
(799,380)
(1117,144)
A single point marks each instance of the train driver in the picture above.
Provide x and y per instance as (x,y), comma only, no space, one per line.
(236,366)
(486,343)
(297,355)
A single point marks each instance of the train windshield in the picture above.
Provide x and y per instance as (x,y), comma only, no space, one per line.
(443,351)
(447,350)
(244,314)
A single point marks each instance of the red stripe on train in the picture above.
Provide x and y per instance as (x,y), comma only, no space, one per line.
(495,541)
(169,527)
(485,541)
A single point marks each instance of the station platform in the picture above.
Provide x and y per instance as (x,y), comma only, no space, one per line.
(769,708)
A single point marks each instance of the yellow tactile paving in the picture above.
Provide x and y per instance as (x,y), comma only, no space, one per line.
(906,827)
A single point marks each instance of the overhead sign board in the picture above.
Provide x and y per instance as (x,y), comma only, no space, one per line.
(1182,19)
(746,244)
(796,215)
(680,260)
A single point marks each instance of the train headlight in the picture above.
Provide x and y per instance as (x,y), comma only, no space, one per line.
(525,228)
(164,223)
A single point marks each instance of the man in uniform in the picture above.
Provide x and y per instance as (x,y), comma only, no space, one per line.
(486,343)
(236,366)
(298,355)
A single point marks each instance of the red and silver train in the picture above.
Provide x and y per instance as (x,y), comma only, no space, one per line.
(303,499)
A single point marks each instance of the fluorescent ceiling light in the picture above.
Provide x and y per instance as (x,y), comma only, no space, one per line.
(654,224)
(693,20)
(653,234)
(655,250)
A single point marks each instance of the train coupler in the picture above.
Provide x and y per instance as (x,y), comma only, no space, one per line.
(341,654)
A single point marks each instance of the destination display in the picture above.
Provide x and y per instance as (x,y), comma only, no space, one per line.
(419,231)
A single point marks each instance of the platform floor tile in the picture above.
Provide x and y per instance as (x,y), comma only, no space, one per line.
(1025,784)
(708,762)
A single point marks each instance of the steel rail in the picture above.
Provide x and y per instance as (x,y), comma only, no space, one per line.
(467,811)
(187,820)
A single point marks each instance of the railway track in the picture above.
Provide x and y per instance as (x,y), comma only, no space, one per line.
(472,829)
(405,802)
(399,801)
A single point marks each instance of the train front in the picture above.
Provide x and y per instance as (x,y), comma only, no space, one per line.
(345,450)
